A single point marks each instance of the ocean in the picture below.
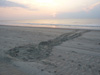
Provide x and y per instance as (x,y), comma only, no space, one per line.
(56,23)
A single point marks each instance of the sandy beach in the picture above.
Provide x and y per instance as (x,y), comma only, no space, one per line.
(49,51)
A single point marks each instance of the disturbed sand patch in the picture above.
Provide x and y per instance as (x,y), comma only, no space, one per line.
(42,50)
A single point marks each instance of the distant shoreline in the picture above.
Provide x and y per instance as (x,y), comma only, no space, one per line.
(47,27)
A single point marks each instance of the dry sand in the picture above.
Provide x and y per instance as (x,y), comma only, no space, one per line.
(49,51)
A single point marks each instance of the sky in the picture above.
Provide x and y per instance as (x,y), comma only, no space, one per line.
(49,9)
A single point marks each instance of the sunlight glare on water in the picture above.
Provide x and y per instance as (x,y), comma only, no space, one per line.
(56,23)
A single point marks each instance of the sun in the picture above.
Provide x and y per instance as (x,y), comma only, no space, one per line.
(49,6)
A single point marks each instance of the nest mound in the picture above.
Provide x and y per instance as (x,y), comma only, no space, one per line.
(31,52)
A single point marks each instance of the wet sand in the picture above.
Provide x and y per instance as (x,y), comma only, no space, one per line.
(49,51)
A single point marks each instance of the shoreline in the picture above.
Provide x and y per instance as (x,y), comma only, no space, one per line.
(30,26)
(71,51)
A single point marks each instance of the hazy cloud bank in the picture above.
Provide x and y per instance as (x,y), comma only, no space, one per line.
(93,13)
(5,3)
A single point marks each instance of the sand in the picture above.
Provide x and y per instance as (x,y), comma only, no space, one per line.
(49,51)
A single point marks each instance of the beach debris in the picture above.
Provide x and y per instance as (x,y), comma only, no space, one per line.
(59,56)
(79,65)
(42,69)
(99,71)
(63,59)
(55,71)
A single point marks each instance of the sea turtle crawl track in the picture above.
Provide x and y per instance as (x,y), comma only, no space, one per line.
(42,50)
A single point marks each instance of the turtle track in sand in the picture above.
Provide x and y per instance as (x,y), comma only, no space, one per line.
(42,50)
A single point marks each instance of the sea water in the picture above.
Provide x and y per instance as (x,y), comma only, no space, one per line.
(56,23)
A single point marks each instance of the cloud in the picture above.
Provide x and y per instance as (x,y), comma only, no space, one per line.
(94,12)
(91,6)
(5,3)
